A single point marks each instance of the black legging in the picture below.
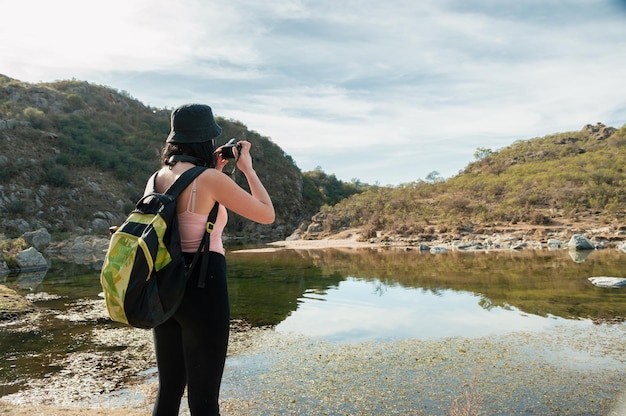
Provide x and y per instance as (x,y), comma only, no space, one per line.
(191,346)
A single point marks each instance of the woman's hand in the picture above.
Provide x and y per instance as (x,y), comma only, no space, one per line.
(244,159)
(220,162)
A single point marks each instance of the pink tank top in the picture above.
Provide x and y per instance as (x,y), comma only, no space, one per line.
(192,226)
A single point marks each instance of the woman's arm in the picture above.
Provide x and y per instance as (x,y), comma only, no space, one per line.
(256,205)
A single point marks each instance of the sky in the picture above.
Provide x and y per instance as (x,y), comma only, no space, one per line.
(383,92)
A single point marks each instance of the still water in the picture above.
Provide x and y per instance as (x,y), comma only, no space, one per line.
(358,310)
(351,296)
(346,296)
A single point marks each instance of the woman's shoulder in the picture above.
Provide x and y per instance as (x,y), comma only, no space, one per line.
(213,175)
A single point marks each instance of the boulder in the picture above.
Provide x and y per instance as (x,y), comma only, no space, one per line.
(314,228)
(580,242)
(38,239)
(610,282)
(554,244)
(31,259)
(438,250)
(12,305)
(296,235)
(599,131)
(18,226)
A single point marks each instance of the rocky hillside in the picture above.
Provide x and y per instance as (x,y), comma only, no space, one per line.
(74,158)
(558,185)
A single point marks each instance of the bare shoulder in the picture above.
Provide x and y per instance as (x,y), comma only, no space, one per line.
(213,177)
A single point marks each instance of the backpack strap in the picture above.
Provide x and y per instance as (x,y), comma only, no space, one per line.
(203,248)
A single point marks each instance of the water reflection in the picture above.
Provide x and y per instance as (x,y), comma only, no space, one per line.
(267,288)
(30,280)
(358,310)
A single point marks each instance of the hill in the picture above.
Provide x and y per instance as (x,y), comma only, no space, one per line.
(566,182)
(74,157)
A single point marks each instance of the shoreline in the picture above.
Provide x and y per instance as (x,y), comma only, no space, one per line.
(502,242)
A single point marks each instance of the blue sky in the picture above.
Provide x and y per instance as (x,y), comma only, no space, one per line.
(382,91)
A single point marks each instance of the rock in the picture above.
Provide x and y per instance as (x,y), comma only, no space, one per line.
(610,282)
(599,131)
(519,245)
(296,235)
(622,247)
(314,228)
(31,259)
(438,250)
(100,224)
(38,239)
(554,244)
(12,124)
(580,242)
(12,305)
(18,226)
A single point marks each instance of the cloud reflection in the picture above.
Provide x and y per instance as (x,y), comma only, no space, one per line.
(358,310)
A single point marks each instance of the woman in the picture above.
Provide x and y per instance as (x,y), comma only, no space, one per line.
(191,346)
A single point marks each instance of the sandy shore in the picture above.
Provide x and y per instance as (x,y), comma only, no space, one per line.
(13,410)
(345,239)
(321,244)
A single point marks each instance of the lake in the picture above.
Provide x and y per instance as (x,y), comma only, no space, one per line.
(344,296)
(353,295)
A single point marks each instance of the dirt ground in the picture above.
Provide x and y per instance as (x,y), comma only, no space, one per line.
(13,410)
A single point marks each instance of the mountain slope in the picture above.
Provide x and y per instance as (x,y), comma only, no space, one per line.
(74,157)
(566,180)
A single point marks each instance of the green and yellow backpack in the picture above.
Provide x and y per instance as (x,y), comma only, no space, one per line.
(144,274)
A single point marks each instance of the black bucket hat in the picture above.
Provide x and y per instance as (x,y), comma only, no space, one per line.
(193,123)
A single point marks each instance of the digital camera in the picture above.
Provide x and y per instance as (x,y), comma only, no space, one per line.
(227,149)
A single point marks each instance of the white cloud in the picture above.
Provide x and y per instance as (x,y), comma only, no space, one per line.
(342,84)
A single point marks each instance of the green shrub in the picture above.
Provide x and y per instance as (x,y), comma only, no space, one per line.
(57,176)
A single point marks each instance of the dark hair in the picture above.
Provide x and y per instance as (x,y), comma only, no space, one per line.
(202,151)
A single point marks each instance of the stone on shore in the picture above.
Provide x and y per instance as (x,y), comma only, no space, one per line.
(610,282)
(438,250)
(12,305)
(554,244)
(39,239)
(31,259)
(580,242)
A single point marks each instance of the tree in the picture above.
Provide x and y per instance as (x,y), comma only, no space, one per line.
(434,177)
(482,152)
